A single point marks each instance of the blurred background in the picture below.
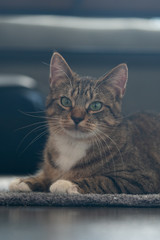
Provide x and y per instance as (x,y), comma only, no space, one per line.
(93,36)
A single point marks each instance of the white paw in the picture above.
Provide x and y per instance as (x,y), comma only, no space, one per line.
(63,186)
(18,185)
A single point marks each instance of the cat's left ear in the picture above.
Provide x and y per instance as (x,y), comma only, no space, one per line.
(59,70)
(117,79)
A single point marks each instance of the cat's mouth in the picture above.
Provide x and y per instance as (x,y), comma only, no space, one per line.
(77,128)
(77,131)
(77,134)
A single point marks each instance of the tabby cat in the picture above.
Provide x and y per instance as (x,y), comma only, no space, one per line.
(91,148)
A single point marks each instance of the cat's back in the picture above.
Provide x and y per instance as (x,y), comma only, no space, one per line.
(145,129)
(145,121)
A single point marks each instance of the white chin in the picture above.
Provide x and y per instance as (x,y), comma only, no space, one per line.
(78,134)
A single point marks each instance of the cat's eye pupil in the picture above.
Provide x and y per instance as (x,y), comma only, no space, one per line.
(95,106)
(66,102)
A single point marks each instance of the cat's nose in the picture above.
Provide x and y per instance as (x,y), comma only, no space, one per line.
(77,120)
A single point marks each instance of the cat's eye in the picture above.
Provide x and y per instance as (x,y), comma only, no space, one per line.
(95,106)
(66,102)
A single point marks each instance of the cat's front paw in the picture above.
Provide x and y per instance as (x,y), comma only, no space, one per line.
(63,186)
(18,185)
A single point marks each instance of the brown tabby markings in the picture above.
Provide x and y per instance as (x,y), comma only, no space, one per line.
(95,151)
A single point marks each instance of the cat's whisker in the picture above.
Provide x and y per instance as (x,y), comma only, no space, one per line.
(35,139)
(100,147)
(105,144)
(30,115)
(31,125)
(43,117)
(47,64)
(95,141)
(29,133)
(42,111)
(106,126)
(57,130)
(126,116)
(115,144)
(35,116)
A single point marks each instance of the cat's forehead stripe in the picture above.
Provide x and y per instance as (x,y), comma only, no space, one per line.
(74,92)
(82,88)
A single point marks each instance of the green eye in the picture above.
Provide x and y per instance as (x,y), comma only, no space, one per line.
(95,106)
(66,102)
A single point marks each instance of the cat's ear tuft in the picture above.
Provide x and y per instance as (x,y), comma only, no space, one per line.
(59,70)
(117,79)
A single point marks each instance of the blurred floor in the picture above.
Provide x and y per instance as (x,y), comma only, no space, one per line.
(79,223)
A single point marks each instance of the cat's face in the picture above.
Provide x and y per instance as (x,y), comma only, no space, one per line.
(83,107)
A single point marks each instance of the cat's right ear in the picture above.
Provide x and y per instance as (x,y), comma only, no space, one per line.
(116,79)
(59,70)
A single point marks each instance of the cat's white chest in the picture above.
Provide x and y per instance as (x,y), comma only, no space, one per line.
(70,151)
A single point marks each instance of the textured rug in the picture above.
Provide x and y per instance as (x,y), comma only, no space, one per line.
(76,200)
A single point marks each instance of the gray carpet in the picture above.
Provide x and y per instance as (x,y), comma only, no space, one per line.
(88,200)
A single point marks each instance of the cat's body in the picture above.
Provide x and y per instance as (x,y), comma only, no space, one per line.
(91,148)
